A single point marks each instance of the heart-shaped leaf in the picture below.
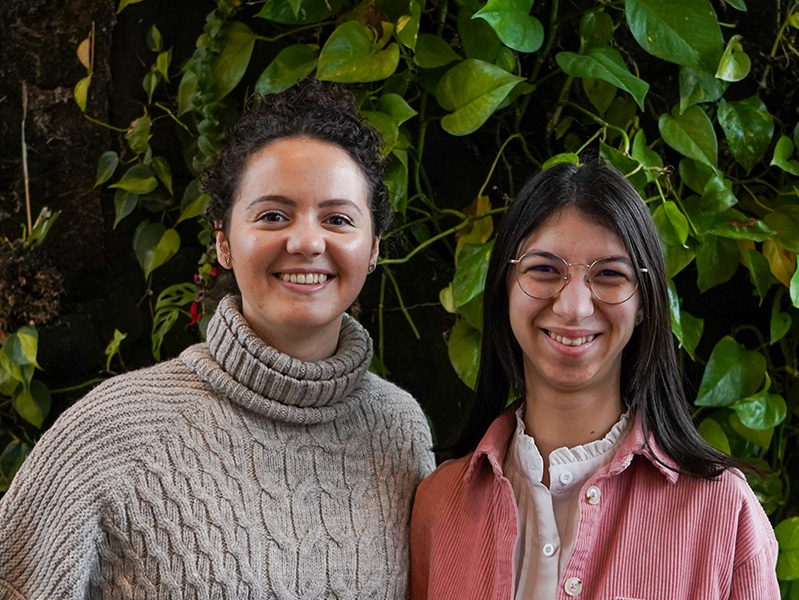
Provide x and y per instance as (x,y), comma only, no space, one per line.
(732,373)
(349,56)
(604,63)
(238,41)
(464,351)
(513,24)
(154,244)
(432,52)
(289,66)
(749,128)
(734,64)
(691,134)
(471,91)
(698,86)
(716,261)
(782,156)
(106,166)
(139,179)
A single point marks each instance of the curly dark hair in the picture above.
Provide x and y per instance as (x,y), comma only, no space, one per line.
(321,111)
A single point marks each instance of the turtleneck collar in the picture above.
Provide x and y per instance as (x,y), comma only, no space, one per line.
(251,373)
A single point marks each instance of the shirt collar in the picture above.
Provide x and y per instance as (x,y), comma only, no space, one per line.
(494,448)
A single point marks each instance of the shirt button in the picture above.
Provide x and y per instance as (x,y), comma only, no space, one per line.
(548,549)
(593,495)
(566,477)
(573,586)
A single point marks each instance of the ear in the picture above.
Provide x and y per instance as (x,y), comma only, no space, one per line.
(639,317)
(375,253)
(222,247)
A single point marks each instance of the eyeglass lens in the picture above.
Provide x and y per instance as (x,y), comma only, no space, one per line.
(543,275)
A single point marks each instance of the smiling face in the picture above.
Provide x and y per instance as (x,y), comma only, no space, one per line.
(300,243)
(572,342)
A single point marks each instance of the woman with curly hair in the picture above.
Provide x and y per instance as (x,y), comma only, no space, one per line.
(266,462)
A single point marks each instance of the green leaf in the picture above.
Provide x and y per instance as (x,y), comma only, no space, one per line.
(11,460)
(21,347)
(780,322)
(596,28)
(194,202)
(138,135)
(787,534)
(163,171)
(671,223)
(784,221)
(698,86)
(349,56)
(155,40)
(761,411)
(782,154)
(292,64)
(139,179)
(32,402)
(513,24)
(81,92)
(737,4)
(112,349)
(154,244)
(749,128)
(794,288)
(565,157)
(149,83)
(759,437)
(386,126)
(759,273)
(734,64)
(124,203)
(238,41)
(479,40)
(677,258)
(600,93)
(606,64)
(685,32)
(716,261)
(714,435)
(397,181)
(432,52)
(162,63)
(717,196)
(187,90)
(624,163)
(106,166)
(395,106)
(464,351)
(691,134)
(311,11)
(644,155)
(732,373)
(686,327)
(471,91)
(408,26)
(694,174)
(470,273)
(124,3)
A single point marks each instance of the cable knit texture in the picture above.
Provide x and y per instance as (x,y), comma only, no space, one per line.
(233,471)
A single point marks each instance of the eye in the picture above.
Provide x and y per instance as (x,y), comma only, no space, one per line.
(272,216)
(339,220)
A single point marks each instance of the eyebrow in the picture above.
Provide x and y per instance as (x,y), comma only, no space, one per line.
(285,200)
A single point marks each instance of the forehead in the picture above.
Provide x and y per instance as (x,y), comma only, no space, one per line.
(575,236)
(300,166)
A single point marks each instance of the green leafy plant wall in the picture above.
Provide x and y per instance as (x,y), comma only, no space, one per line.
(686,97)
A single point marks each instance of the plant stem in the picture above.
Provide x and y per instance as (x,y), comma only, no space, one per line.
(401,303)
(496,160)
(25,176)
(174,117)
(777,42)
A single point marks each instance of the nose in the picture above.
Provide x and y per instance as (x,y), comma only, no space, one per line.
(574,302)
(305,238)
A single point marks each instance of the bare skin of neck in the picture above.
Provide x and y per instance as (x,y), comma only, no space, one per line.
(557,418)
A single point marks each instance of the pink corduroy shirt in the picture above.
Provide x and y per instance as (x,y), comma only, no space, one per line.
(644,533)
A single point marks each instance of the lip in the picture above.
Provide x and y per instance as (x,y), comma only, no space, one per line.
(573,334)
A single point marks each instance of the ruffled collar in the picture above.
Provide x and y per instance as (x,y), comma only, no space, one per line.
(240,365)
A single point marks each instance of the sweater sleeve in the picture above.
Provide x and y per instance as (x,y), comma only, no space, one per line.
(50,518)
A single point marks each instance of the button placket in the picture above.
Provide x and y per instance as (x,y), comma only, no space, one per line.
(566,477)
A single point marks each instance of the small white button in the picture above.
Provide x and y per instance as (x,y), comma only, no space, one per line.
(566,477)
(548,549)
(593,495)
(573,586)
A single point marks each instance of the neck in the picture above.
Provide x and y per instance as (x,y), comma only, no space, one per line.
(307,346)
(557,419)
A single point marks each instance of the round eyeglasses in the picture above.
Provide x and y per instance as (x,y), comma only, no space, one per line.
(542,275)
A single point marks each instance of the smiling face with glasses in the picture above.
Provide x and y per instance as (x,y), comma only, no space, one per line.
(572,304)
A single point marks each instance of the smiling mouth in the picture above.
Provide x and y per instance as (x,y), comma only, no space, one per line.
(566,341)
(303,278)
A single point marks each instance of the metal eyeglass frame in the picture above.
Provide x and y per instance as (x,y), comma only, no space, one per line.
(567,277)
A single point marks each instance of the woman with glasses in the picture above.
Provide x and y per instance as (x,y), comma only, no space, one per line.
(593,483)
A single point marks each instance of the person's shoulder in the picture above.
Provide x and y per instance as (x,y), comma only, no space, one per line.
(388,396)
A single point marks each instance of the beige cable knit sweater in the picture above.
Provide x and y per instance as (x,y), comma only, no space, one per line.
(233,471)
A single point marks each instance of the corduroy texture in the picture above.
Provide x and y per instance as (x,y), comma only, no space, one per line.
(651,534)
(234,471)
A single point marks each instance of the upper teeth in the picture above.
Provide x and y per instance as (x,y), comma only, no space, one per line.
(571,341)
(305,278)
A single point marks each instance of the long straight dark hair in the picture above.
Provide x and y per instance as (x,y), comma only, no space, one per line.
(650,376)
